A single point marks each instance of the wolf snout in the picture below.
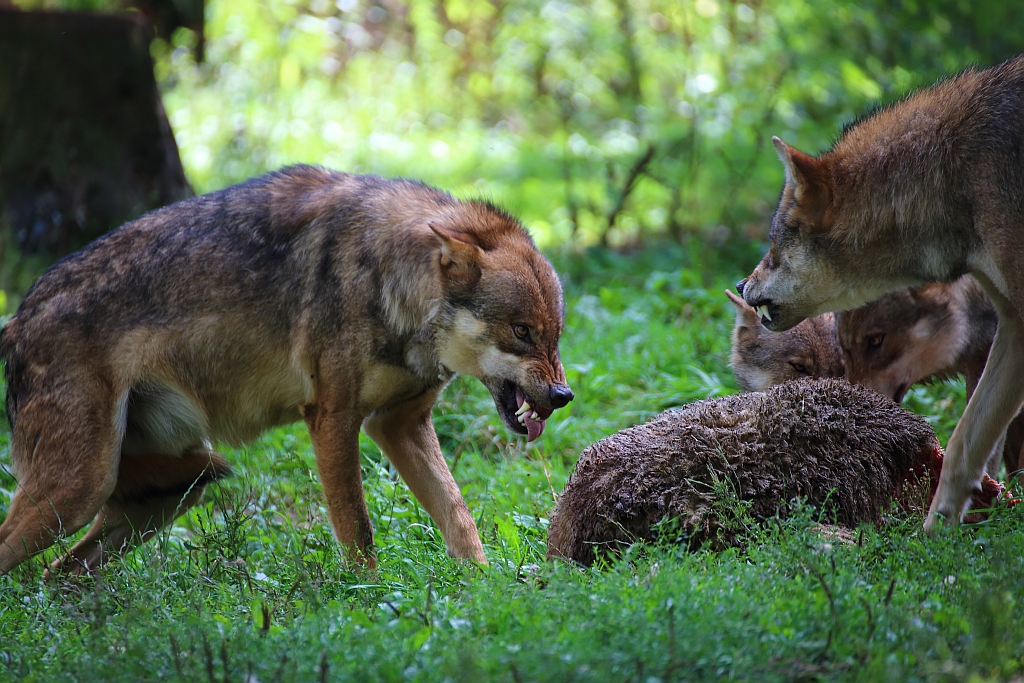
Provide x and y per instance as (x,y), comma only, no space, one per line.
(740,285)
(560,395)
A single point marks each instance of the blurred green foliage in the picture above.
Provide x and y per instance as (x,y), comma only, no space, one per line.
(602,121)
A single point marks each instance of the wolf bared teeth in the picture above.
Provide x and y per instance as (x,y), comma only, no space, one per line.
(529,417)
(763,310)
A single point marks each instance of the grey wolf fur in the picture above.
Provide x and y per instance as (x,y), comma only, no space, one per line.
(922,334)
(346,301)
(928,189)
(761,359)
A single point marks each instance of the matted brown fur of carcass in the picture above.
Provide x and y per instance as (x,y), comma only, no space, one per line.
(839,447)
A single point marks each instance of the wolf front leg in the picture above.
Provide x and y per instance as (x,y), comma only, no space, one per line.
(993,405)
(335,437)
(406,434)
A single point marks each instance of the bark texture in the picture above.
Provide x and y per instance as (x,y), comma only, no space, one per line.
(85,144)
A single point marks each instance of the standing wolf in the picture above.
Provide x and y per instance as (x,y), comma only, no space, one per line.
(342,300)
(927,189)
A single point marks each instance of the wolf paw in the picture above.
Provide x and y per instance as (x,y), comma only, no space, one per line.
(936,521)
(943,513)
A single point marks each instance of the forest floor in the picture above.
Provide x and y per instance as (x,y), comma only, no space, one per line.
(250,586)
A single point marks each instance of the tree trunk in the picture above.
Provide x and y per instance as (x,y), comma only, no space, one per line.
(85,144)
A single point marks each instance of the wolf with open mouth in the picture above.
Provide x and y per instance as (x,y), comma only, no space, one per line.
(345,301)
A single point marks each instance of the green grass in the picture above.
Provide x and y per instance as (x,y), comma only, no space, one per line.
(251,587)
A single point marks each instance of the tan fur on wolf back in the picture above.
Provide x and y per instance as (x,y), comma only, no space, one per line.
(347,301)
(927,189)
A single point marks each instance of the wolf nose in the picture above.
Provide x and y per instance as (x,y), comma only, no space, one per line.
(560,394)
(740,285)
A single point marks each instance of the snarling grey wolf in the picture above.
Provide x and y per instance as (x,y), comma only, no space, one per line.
(761,359)
(345,301)
(924,190)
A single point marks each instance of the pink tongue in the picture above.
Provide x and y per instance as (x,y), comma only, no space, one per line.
(534,428)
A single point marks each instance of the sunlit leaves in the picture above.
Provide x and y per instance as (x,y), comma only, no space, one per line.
(491,98)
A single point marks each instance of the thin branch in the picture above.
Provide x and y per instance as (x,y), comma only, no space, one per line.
(634,174)
(738,179)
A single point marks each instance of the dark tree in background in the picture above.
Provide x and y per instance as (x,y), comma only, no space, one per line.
(167,16)
(84,141)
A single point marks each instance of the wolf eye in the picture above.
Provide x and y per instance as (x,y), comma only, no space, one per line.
(799,367)
(875,341)
(521,331)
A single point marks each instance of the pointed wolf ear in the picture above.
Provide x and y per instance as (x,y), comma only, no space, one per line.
(785,153)
(809,176)
(460,255)
(748,322)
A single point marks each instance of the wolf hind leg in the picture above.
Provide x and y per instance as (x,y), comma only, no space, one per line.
(151,492)
(996,457)
(1013,449)
(64,448)
(995,402)
(37,518)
